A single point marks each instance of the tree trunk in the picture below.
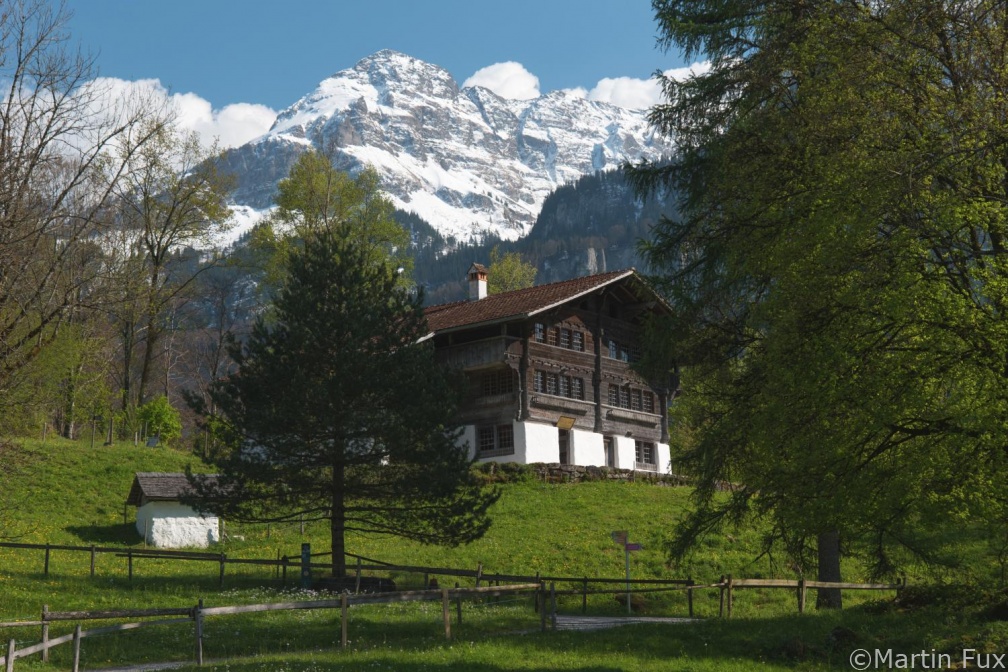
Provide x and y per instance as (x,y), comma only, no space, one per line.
(829,569)
(337,523)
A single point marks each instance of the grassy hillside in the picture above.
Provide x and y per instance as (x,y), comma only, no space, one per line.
(68,493)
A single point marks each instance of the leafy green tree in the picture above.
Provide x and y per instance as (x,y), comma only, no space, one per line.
(317,196)
(171,201)
(338,411)
(507,272)
(838,271)
(160,419)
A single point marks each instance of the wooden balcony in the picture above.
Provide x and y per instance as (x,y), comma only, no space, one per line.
(480,354)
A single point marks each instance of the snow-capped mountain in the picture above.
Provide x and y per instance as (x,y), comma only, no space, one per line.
(464,159)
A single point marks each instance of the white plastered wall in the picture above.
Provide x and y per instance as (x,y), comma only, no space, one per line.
(541,442)
(172,525)
(587,449)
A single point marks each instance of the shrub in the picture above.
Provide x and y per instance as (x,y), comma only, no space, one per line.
(161,419)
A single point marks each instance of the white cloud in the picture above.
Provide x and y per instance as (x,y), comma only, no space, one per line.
(231,126)
(639,94)
(508,80)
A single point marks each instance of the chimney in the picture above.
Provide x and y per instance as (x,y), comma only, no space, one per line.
(477,282)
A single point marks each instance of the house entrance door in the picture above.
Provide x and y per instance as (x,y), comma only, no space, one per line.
(564,446)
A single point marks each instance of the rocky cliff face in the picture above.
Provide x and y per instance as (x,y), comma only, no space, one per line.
(464,159)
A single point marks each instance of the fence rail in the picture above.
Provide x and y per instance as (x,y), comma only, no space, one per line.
(728,585)
(199,613)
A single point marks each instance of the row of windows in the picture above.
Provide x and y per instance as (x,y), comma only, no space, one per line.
(572,339)
(624,352)
(495,440)
(544,382)
(558,384)
(499,440)
(497,382)
(631,398)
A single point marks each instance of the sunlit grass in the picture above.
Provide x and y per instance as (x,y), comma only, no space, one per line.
(69,493)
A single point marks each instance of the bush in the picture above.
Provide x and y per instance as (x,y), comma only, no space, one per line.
(161,419)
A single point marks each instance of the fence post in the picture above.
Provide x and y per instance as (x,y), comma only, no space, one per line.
(730,598)
(76,649)
(223,559)
(357,586)
(541,597)
(721,602)
(689,595)
(199,632)
(45,633)
(553,604)
(445,613)
(92,560)
(46,570)
(584,595)
(10,655)
(343,619)
(129,561)
(801,595)
(284,562)
(479,573)
(458,605)
(538,595)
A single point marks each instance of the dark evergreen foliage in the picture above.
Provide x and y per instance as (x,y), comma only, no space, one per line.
(338,411)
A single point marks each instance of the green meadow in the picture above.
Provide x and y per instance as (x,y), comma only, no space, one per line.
(69,493)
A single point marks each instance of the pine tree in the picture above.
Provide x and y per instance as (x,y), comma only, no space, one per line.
(339,412)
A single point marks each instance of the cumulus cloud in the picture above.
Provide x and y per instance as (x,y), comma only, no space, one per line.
(230,126)
(507,80)
(639,94)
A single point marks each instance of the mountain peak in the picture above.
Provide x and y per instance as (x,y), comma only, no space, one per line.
(467,161)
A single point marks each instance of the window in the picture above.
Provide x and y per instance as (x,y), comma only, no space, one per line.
(493,441)
(613,395)
(486,439)
(624,397)
(577,388)
(505,439)
(645,456)
(648,399)
(565,386)
(635,400)
(577,341)
(565,338)
(540,332)
(613,349)
(498,382)
(552,335)
(552,383)
(539,381)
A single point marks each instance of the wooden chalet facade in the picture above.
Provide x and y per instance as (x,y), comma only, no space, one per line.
(550,372)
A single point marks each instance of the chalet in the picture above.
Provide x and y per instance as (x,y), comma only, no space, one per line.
(162,519)
(550,372)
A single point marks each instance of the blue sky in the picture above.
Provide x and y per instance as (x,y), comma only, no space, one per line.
(245,59)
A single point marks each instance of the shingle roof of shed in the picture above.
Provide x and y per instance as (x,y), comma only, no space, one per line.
(519,303)
(159,486)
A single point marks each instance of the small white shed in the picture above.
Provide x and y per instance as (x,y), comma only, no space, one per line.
(162,520)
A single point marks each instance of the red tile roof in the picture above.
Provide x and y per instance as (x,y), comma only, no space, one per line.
(520,303)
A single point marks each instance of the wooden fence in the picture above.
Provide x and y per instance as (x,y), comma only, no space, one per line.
(729,585)
(199,613)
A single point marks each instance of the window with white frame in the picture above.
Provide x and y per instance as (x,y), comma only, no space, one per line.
(646,458)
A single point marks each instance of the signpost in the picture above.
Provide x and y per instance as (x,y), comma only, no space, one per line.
(622,537)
